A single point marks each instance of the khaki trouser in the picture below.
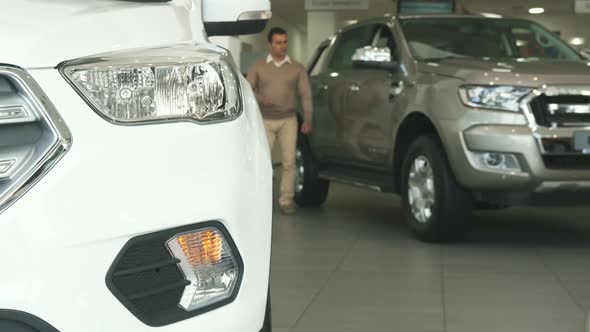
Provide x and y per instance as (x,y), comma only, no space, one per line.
(285,130)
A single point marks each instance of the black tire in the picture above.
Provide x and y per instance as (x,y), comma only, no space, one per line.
(453,205)
(315,190)
(267,327)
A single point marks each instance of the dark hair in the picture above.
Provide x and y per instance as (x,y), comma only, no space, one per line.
(276,31)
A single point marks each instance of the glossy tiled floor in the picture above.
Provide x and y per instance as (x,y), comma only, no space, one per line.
(351,266)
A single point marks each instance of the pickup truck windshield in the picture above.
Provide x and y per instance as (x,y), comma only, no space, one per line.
(432,39)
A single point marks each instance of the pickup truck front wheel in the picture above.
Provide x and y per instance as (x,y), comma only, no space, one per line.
(436,208)
(310,190)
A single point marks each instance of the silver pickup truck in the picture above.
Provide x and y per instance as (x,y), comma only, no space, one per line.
(452,112)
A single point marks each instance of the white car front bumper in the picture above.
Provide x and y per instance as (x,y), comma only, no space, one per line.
(59,240)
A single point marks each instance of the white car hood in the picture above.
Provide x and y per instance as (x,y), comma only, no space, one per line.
(44,33)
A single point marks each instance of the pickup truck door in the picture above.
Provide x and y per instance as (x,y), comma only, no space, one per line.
(323,139)
(331,90)
(372,106)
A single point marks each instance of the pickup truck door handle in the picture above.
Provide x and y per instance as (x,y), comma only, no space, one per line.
(397,87)
(354,88)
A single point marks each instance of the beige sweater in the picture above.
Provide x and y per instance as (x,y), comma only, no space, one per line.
(283,86)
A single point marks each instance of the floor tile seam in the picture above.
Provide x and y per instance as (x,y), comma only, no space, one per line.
(562,284)
(325,284)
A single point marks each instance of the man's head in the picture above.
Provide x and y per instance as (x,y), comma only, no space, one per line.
(279,42)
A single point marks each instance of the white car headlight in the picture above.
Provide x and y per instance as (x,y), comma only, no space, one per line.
(504,98)
(159,85)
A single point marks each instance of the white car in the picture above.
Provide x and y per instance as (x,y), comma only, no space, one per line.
(135,176)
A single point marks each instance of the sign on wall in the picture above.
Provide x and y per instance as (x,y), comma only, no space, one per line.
(582,6)
(336,4)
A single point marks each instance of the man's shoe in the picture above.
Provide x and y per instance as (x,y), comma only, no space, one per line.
(289,209)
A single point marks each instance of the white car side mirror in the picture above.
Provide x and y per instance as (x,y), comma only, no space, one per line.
(235,17)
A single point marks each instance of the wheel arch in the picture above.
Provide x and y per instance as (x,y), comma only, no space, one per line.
(414,125)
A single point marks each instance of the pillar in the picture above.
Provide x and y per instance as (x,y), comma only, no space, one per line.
(320,26)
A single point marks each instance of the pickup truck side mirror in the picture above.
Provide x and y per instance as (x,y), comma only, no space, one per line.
(374,58)
(235,17)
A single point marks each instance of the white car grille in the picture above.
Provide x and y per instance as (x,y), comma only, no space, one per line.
(33,137)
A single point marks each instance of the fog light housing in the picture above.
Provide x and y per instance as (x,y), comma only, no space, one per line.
(497,161)
(494,160)
(209,264)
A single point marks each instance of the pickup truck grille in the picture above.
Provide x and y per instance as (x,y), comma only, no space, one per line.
(33,137)
(561,111)
(560,162)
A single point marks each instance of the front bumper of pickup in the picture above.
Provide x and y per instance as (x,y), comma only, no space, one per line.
(543,172)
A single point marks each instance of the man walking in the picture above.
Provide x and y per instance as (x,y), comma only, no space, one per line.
(280,83)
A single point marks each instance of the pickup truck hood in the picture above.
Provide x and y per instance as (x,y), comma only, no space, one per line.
(43,33)
(526,73)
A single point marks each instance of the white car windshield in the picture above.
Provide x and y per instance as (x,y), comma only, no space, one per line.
(483,38)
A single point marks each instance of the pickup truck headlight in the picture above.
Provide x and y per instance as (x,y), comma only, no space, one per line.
(503,98)
(159,85)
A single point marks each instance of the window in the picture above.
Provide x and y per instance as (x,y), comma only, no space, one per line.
(319,60)
(384,39)
(532,43)
(486,39)
(347,44)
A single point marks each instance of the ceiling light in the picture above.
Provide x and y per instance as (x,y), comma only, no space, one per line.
(537,10)
(577,41)
(349,22)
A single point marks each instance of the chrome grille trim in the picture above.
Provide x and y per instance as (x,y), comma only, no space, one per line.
(558,108)
(39,110)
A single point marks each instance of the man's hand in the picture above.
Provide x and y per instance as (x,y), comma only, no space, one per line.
(266,102)
(307,128)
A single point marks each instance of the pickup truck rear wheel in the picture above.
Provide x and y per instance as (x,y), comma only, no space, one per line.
(436,208)
(310,190)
